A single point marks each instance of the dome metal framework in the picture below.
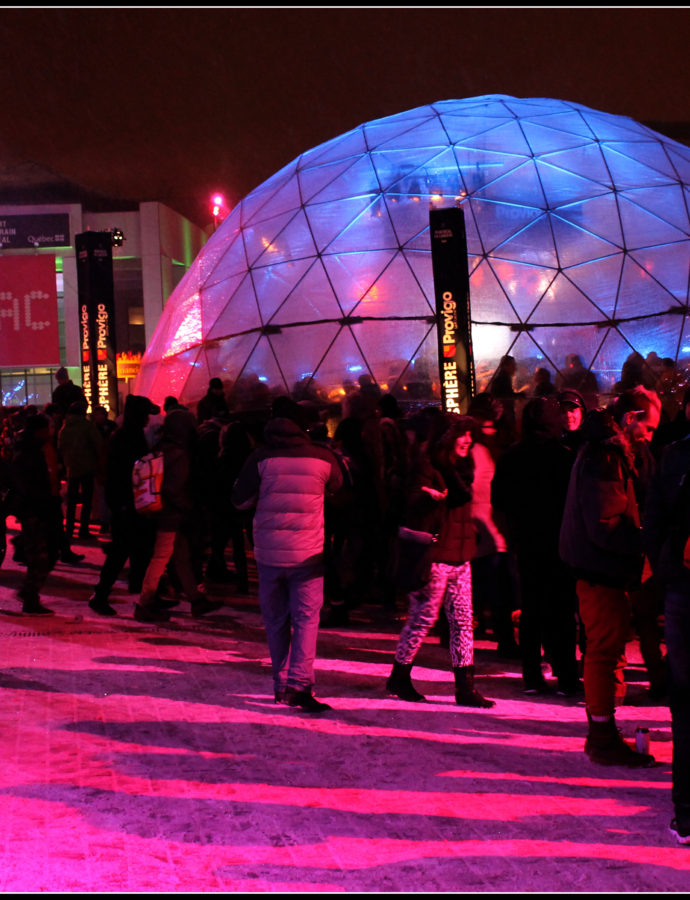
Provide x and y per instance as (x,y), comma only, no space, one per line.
(578,244)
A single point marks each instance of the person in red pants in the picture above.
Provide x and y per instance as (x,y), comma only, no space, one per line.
(600,540)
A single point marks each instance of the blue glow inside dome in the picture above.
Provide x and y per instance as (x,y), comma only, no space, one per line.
(578,245)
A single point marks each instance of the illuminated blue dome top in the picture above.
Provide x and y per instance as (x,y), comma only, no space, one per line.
(578,242)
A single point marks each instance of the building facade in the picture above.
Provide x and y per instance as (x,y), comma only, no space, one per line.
(152,248)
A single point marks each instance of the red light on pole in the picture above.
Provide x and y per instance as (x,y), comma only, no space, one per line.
(219,209)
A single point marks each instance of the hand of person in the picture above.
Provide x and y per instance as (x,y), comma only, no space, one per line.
(686,554)
(434,494)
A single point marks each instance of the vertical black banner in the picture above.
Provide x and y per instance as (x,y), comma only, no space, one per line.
(96,317)
(452,292)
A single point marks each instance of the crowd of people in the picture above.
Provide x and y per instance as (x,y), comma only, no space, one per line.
(548,520)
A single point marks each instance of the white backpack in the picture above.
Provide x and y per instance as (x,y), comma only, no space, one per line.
(147,480)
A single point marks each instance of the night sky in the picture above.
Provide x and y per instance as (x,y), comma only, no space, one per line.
(172,104)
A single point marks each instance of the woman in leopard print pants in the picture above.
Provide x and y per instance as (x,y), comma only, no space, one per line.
(449,582)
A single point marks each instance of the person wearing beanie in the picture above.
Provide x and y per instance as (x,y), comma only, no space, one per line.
(213,404)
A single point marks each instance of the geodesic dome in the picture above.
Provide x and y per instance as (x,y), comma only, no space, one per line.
(578,243)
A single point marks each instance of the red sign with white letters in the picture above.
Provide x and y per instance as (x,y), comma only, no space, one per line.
(29,333)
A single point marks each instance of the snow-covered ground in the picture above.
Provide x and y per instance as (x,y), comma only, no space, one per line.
(152,758)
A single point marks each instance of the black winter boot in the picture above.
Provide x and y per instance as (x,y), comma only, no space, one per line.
(465,692)
(605,745)
(400,684)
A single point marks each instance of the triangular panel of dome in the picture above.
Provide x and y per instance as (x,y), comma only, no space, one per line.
(327,220)
(639,294)
(523,284)
(667,203)
(668,264)
(391,133)
(371,229)
(357,180)
(586,161)
(231,261)
(310,299)
(497,222)
(242,314)
(421,265)
(645,229)
(171,377)
(576,245)
(532,244)
(599,280)
(649,153)
(543,138)
(422,241)
(607,127)
(563,187)
(463,127)
(299,350)
(486,106)
(660,335)
(568,122)
(429,133)
(342,363)
(530,107)
(614,350)
(353,274)
(394,293)
(684,348)
(563,304)
(182,330)
(196,384)
(488,298)
(301,354)
(481,167)
(474,244)
(422,373)
(520,186)
(408,116)
(409,216)
(274,284)
(293,242)
(417,172)
(528,356)
(230,355)
(630,173)
(313,179)
(262,195)
(680,159)
(343,147)
(597,215)
(389,346)
(257,238)
(506,138)
(490,343)
(216,299)
(166,326)
(285,200)
(212,252)
(559,344)
(263,366)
